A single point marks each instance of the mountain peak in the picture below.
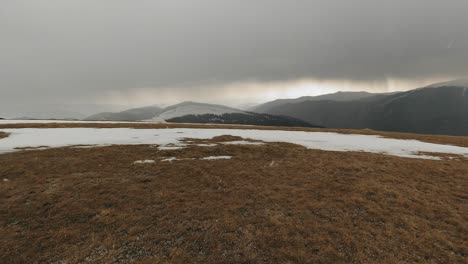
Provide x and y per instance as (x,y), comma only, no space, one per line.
(455,83)
(193,108)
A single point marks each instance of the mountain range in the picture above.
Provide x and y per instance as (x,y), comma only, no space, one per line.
(135,114)
(436,109)
(440,108)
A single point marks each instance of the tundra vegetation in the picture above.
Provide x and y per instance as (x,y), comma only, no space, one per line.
(268,203)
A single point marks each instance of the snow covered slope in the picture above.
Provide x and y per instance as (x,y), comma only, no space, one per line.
(192,108)
(156,114)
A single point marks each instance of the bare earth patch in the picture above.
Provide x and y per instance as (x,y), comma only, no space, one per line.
(3,135)
(271,203)
(438,139)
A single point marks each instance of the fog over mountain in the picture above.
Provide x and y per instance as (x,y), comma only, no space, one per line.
(135,53)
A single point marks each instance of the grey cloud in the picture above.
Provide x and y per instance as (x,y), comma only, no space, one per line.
(80,49)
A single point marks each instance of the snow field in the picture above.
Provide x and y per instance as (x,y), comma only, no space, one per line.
(172,139)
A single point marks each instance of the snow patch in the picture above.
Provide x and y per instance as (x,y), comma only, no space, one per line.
(272,164)
(169,159)
(206,145)
(242,142)
(216,157)
(171,147)
(172,139)
(143,161)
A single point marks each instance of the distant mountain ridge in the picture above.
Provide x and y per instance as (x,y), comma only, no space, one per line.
(135,114)
(435,109)
(243,119)
(338,96)
(192,112)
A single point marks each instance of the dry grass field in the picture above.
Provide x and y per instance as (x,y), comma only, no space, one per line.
(271,203)
(438,139)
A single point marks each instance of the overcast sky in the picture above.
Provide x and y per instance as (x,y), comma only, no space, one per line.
(142,52)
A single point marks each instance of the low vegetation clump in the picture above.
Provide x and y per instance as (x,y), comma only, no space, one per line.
(3,135)
(270,203)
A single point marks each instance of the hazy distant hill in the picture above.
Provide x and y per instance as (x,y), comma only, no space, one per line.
(41,113)
(192,112)
(134,114)
(436,109)
(59,110)
(338,96)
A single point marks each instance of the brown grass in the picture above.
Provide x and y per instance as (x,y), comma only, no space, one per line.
(272,203)
(438,139)
(3,134)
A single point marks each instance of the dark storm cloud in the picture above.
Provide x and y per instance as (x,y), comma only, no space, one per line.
(82,49)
